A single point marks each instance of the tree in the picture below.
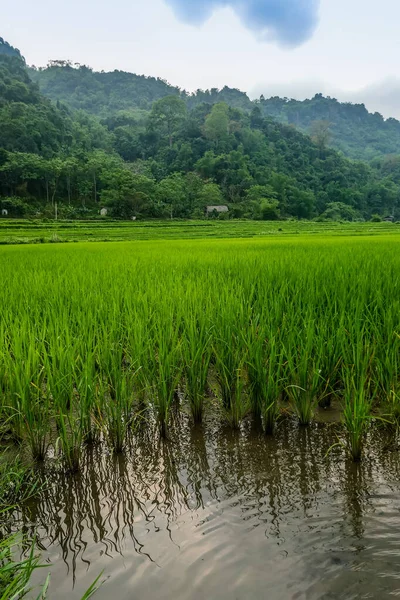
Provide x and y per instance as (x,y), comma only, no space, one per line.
(70,169)
(128,194)
(206,165)
(302,203)
(171,193)
(216,127)
(210,195)
(260,192)
(269,210)
(262,203)
(337,211)
(97,163)
(53,169)
(167,114)
(256,118)
(321,134)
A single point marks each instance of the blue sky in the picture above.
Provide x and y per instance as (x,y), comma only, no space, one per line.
(344,48)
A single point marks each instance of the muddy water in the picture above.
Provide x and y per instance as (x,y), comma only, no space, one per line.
(213,514)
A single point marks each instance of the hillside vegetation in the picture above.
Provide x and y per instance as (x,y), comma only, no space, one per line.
(347,127)
(350,128)
(171,155)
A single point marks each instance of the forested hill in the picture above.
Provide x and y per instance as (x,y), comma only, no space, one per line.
(172,157)
(347,127)
(102,94)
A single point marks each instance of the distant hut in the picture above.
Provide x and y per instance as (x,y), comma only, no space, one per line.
(389,219)
(216,209)
(4,212)
(103,212)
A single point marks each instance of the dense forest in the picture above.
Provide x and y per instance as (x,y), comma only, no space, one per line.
(348,127)
(141,148)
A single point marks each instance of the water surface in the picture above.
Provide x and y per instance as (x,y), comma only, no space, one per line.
(216,514)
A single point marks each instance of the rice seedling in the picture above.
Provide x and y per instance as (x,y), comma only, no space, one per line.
(359,389)
(385,369)
(90,392)
(17,485)
(35,414)
(70,440)
(265,370)
(165,371)
(304,373)
(15,575)
(118,410)
(230,370)
(356,411)
(196,352)
(239,404)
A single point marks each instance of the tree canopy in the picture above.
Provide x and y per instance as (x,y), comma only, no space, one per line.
(167,154)
(350,128)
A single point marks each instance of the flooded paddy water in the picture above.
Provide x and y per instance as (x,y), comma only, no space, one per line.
(214,513)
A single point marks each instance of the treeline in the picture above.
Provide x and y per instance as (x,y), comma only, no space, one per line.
(174,159)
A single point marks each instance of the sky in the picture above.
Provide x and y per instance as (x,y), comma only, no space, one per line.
(347,49)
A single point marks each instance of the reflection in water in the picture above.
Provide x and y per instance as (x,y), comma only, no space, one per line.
(222,514)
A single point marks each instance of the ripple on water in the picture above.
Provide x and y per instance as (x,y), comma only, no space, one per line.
(214,514)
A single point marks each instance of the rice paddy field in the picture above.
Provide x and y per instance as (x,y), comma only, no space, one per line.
(205,418)
(13,231)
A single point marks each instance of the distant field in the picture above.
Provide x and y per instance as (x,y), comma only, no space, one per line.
(22,231)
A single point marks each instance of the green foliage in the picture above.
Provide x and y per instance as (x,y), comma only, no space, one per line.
(269,210)
(166,115)
(216,126)
(99,93)
(15,207)
(128,194)
(347,127)
(213,147)
(337,211)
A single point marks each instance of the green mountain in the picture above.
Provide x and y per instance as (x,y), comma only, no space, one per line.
(353,130)
(79,87)
(350,127)
(150,154)
(102,94)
